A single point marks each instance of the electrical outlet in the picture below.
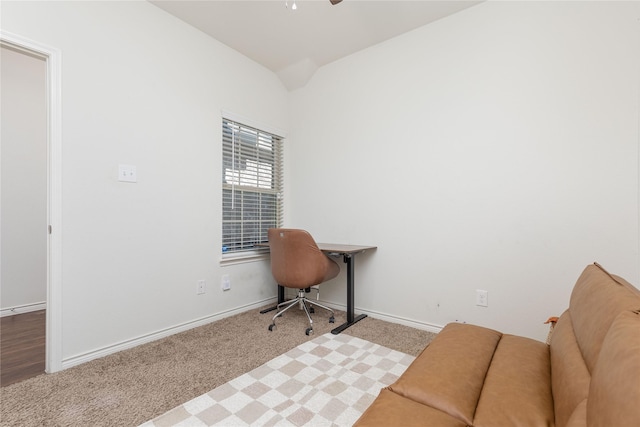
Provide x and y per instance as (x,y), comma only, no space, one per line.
(482,298)
(226,282)
(201,287)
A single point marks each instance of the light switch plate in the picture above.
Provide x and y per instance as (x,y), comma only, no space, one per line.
(127,173)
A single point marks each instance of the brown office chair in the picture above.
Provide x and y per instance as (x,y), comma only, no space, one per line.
(296,262)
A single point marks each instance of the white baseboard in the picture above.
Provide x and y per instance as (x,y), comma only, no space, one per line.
(21,309)
(105,351)
(124,345)
(429,327)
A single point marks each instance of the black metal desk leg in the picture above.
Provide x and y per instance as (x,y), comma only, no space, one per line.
(350,291)
(351,319)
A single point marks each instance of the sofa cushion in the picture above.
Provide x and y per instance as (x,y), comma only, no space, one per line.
(569,374)
(614,395)
(517,389)
(391,409)
(450,372)
(579,416)
(597,298)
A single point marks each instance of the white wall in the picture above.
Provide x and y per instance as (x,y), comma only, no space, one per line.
(23,285)
(140,87)
(494,149)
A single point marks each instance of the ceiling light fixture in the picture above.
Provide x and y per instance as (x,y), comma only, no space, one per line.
(294,6)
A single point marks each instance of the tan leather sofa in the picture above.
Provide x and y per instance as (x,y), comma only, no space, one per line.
(589,374)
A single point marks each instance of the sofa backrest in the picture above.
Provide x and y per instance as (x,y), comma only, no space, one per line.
(614,394)
(579,359)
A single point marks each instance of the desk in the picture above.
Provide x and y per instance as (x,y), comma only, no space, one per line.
(348,253)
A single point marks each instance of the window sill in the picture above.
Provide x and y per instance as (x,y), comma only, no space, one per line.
(244,257)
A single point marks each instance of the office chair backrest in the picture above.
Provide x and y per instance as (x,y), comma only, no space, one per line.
(296,261)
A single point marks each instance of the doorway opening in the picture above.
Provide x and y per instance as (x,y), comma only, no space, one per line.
(23,218)
(44,206)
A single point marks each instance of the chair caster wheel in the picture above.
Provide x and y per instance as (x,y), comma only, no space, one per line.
(332,319)
(271,326)
(312,310)
(309,331)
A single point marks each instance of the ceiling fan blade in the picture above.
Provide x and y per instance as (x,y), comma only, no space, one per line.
(335,1)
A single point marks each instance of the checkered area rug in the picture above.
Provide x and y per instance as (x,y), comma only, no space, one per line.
(328,381)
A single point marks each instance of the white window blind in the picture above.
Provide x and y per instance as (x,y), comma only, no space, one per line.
(251,186)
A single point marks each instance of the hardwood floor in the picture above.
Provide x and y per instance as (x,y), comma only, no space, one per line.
(22,346)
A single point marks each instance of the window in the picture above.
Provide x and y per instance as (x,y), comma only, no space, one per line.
(251,186)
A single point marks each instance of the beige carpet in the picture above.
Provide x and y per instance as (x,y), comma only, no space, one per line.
(136,385)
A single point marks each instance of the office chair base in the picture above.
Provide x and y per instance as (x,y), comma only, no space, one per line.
(303,302)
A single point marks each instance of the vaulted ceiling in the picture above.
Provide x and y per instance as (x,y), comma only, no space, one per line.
(295,43)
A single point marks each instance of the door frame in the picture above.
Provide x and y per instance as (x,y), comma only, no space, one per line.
(52,56)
